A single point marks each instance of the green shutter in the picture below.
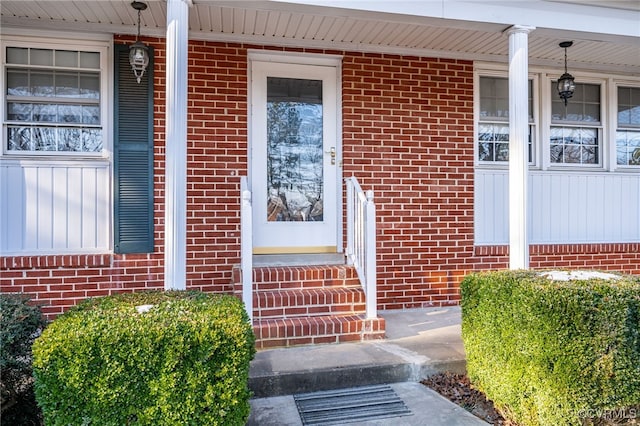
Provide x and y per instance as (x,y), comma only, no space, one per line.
(133,156)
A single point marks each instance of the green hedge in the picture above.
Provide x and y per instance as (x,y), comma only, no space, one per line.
(161,358)
(551,352)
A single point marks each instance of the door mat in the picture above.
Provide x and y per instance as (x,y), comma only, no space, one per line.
(350,405)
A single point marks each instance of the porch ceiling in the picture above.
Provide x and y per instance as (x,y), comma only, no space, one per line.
(308,25)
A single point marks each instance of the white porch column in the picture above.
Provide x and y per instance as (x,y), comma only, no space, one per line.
(518,145)
(175,214)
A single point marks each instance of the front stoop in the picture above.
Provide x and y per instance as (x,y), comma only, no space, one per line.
(301,305)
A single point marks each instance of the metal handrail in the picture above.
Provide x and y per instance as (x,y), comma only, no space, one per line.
(361,240)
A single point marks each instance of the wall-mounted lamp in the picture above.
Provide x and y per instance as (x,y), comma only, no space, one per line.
(138,51)
(566,84)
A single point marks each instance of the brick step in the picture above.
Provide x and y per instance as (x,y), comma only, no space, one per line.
(284,332)
(298,277)
(308,302)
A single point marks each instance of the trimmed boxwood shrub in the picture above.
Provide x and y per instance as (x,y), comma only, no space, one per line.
(161,358)
(20,322)
(551,352)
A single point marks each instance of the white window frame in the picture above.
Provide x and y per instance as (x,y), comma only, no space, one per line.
(548,83)
(52,40)
(615,84)
(493,70)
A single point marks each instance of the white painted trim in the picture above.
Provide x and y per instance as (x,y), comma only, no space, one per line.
(73,37)
(298,58)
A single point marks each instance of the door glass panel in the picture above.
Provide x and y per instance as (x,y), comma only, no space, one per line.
(294,150)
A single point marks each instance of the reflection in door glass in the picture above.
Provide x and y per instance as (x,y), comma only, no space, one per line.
(294,150)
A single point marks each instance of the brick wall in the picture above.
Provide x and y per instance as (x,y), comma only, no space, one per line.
(407,134)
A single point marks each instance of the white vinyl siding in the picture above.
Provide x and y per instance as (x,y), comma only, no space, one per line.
(54,208)
(580,207)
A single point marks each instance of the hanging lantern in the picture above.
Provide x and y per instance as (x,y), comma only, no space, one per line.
(138,51)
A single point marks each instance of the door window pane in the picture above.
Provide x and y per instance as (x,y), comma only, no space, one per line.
(294,150)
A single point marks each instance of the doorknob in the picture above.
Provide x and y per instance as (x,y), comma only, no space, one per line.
(332,152)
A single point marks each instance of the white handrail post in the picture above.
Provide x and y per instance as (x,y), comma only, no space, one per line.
(370,261)
(350,224)
(246,255)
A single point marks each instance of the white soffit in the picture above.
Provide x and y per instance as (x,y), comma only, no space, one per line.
(401,27)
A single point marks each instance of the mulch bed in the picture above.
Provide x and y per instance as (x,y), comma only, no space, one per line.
(458,389)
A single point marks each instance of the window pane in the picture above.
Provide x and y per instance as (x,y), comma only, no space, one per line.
(41,57)
(17,82)
(90,115)
(69,139)
(556,154)
(67,85)
(574,145)
(89,86)
(590,92)
(628,106)
(66,58)
(70,114)
(502,152)
(583,106)
(589,154)
(90,60)
(44,138)
(19,112)
(485,151)
(621,155)
(494,97)
(42,83)
(92,140)
(572,154)
(591,113)
(45,112)
(19,139)
(17,55)
(628,147)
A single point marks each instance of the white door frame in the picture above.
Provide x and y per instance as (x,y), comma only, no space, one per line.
(332,61)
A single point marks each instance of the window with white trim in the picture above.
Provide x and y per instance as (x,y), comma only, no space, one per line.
(493,120)
(576,128)
(628,126)
(53,101)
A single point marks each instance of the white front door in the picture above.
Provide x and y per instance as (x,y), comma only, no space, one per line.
(294,158)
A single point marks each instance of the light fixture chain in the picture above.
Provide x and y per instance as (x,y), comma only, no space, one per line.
(138,36)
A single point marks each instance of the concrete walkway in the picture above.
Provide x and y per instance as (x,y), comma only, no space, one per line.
(419,343)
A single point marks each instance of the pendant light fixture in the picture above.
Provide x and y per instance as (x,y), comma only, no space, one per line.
(138,51)
(566,84)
